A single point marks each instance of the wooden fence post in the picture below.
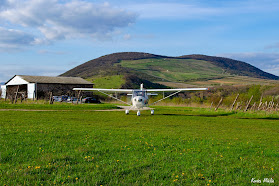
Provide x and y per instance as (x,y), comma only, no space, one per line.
(11,98)
(261,98)
(78,97)
(253,107)
(234,102)
(16,94)
(246,108)
(237,106)
(50,98)
(260,104)
(264,106)
(270,105)
(219,104)
(22,97)
(211,105)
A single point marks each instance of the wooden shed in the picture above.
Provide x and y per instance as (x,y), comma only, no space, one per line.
(39,87)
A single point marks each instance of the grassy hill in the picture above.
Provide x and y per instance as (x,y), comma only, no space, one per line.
(178,70)
(129,69)
(234,66)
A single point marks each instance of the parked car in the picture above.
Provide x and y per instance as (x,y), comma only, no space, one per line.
(90,100)
(59,98)
(56,98)
(70,99)
(64,98)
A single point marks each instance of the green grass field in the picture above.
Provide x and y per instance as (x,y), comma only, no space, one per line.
(178,70)
(176,146)
(114,81)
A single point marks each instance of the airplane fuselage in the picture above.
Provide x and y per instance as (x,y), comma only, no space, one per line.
(139,99)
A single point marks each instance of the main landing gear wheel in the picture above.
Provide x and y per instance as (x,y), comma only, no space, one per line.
(126,111)
(138,113)
(152,112)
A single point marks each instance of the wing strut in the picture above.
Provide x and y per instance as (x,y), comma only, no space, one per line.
(114,98)
(166,97)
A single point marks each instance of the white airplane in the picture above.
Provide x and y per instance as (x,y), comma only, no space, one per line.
(139,96)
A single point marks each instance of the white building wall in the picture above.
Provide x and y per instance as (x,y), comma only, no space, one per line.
(17,80)
(31,90)
(3,88)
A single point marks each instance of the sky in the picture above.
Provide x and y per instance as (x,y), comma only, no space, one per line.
(49,37)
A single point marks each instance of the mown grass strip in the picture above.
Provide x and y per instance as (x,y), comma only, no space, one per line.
(56,106)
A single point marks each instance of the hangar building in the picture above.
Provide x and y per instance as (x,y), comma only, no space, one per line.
(39,87)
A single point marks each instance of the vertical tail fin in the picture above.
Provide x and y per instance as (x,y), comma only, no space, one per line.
(141,86)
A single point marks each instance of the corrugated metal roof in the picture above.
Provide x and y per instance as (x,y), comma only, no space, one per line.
(51,79)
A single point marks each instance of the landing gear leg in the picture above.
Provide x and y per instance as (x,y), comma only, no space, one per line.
(138,113)
(152,112)
(127,112)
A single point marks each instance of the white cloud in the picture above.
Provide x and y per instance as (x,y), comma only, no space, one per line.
(268,62)
(13,39)
(54,20)
(200,9)
(273,46)
(51,52)
(172,10)
(7,71)
(127,36)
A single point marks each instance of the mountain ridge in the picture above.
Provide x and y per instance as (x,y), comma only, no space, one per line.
(138,67)
(227,62)
(105,60)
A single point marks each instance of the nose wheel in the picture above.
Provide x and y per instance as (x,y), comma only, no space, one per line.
(127,112)
(152,112)
(138,113)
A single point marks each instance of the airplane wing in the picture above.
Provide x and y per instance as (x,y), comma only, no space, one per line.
(131,90)
(105,90)
(175,90)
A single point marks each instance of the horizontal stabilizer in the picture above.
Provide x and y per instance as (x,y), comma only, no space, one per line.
(152,94)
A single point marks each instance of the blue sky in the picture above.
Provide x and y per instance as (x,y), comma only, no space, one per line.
(49,37)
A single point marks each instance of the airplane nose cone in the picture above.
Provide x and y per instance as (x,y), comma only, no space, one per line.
(138,99)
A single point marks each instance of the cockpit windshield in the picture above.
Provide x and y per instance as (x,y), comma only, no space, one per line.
(139,93)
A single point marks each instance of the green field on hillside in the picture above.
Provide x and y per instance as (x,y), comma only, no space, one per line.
(176,146)
(236,80)
(175,69)
(114,81)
